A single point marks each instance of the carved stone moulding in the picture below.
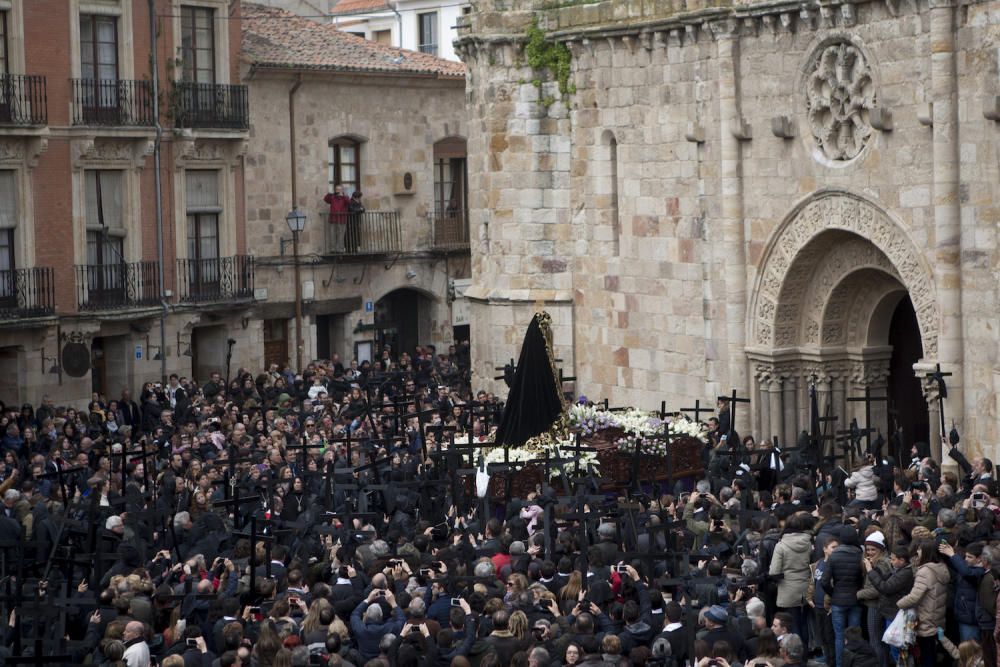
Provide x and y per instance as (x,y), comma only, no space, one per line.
(840,96)
(126,152)
(22,151)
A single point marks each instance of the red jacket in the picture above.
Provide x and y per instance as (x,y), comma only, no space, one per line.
(338,207)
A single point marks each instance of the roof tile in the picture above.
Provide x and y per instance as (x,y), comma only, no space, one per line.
(356,6)
(275,38)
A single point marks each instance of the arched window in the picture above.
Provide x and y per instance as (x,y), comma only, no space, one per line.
(345,164)
(613,176)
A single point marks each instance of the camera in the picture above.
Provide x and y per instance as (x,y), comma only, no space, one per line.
(414,629)
(293,601)
(456,602)
(395,563)
(621,569)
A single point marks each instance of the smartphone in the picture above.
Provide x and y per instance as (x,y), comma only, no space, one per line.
(456,602)
(293,601)
(380,594)
(621,568)
(426,572)
(192,642)
(414,629)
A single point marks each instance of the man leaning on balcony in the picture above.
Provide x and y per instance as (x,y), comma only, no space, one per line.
(339,206)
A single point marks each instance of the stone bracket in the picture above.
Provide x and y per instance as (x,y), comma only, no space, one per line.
(783,127)
(991,108)
(881,119)
(695,133)
(925,113)
(742,129)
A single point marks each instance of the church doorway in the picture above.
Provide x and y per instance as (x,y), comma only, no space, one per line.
(402,321)
(905,390)
(843,303)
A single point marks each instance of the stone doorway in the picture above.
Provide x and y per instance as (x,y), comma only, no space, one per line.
(402,321)
(843,301)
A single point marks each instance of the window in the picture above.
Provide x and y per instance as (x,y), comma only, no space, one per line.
(198,44)
(4,58)
(98,65)
(345,165)
(105,235)
(427,27)
(450,176)
(615,222)
(8,223)
(203,212)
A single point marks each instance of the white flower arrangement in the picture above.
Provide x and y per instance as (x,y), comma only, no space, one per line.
(537,453)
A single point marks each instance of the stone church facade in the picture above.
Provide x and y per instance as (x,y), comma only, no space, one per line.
(752,196)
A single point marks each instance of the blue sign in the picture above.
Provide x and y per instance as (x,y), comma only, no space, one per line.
(138,351)
(369,306)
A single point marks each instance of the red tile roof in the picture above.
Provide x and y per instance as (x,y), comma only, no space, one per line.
(275,38)
(358,6)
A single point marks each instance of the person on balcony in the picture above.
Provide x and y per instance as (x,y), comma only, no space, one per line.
(355,209)
(339,205)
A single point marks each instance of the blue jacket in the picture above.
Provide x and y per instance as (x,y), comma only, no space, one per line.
(368,635)
(966,590)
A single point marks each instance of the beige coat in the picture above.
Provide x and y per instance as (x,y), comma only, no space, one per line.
(930,597)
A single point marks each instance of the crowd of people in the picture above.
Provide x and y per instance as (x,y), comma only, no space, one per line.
(324,518)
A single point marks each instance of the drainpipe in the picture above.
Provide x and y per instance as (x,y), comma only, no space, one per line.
(399,23)
(155,76)
(299,338)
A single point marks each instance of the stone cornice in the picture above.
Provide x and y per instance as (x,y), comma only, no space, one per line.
(714,22)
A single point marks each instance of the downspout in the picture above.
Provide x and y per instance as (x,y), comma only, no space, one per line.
(155,76)
(399,23)
(291,138)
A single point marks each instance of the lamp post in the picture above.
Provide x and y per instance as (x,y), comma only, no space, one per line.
(296,220)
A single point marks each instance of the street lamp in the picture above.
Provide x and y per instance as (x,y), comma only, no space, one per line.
(296,220)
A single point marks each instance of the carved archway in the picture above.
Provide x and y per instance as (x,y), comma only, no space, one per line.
(829,275)
(803,240)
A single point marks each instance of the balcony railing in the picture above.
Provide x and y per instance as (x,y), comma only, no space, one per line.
(118,103)
(119,286)
(450,229)
(210,105)
(23,100)
(27,293)
(215,279)
(368,233)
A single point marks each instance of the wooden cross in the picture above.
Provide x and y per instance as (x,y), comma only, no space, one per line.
(60,475)
(39,658)
(507,372)
(868,399)
(144,455)
(254,536)
(236,502)
(697,410)
(938,376)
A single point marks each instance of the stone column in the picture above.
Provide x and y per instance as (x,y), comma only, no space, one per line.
(763,406)
(791,426)
(947,223)
(734,247)
(774,404)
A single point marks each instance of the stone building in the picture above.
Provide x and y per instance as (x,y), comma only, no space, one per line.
(746,195)
(384,121)
(83,288)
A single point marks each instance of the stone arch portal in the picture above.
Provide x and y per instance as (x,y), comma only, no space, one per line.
(832,280)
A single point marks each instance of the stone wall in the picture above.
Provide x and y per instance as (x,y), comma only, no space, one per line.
(397,121)
(695,119)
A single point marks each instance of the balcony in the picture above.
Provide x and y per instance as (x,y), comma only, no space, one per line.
(113,103)
(450,230)
(122,286)
(27,293)
(23,100)
(207,105)
(215,279)
(368,233)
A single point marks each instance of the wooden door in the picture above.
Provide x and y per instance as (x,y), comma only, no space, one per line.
(276,343)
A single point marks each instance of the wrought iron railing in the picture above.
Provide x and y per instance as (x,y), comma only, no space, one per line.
(215,279)
(450,229)
(117,286)
(211,106)
(368,233)
(112,102)
(27,293)
(23,100)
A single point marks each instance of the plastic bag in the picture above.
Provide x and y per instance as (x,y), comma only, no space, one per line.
(900,632)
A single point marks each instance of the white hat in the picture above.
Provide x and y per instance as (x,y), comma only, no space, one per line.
(876,538)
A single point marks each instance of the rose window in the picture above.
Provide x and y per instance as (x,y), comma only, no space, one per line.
(840,94)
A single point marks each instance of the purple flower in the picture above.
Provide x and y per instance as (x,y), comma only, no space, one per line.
(582,400)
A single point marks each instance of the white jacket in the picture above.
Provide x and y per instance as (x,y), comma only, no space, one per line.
(864,483)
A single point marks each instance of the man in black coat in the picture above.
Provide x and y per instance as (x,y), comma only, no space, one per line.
(717,621)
